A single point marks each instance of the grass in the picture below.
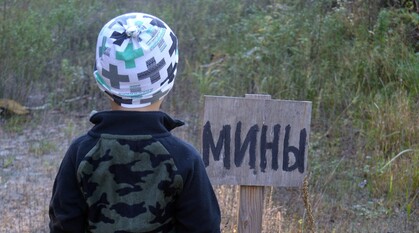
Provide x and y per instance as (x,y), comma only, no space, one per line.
(393,142)
(8,161)
(355,60)
(42,147)
(15,124)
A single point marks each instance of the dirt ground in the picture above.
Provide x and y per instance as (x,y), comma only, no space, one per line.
(29,158)
(31,149)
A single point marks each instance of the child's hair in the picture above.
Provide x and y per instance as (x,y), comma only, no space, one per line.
(136,59)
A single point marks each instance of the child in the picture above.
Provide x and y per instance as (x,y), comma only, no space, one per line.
(129,173)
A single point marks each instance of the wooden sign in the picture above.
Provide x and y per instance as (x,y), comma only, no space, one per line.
(257,142)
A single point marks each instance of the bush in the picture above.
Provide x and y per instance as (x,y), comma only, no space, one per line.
(355,60)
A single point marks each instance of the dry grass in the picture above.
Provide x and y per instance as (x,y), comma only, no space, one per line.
(330,201)
(24,205)
(28,164)
(307,205)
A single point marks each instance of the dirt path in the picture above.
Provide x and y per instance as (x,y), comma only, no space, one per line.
(29,159)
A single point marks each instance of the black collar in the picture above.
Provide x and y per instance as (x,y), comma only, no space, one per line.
(132,123)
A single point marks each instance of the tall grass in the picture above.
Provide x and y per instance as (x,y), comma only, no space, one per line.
(358,64)
(392,141)
(357,61)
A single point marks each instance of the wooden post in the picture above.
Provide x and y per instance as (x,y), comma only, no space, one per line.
(251,199)
(251,209)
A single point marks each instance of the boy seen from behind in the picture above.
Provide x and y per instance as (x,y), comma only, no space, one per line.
(128,173)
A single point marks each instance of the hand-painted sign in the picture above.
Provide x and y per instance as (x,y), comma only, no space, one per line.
(248,141)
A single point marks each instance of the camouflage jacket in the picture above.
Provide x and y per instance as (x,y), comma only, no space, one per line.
(130,174)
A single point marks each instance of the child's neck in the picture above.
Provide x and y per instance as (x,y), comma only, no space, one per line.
(153,107)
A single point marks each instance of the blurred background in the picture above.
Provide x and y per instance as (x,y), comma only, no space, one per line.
(356,60)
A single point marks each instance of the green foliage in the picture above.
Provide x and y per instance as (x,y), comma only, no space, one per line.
(7,162)
(391,133)
(29,46)
(15,124)
(346,64)
(355,60)
(24,47)
(42,147)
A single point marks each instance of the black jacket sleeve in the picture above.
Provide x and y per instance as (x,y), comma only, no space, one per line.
(67,210)
(197,208)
